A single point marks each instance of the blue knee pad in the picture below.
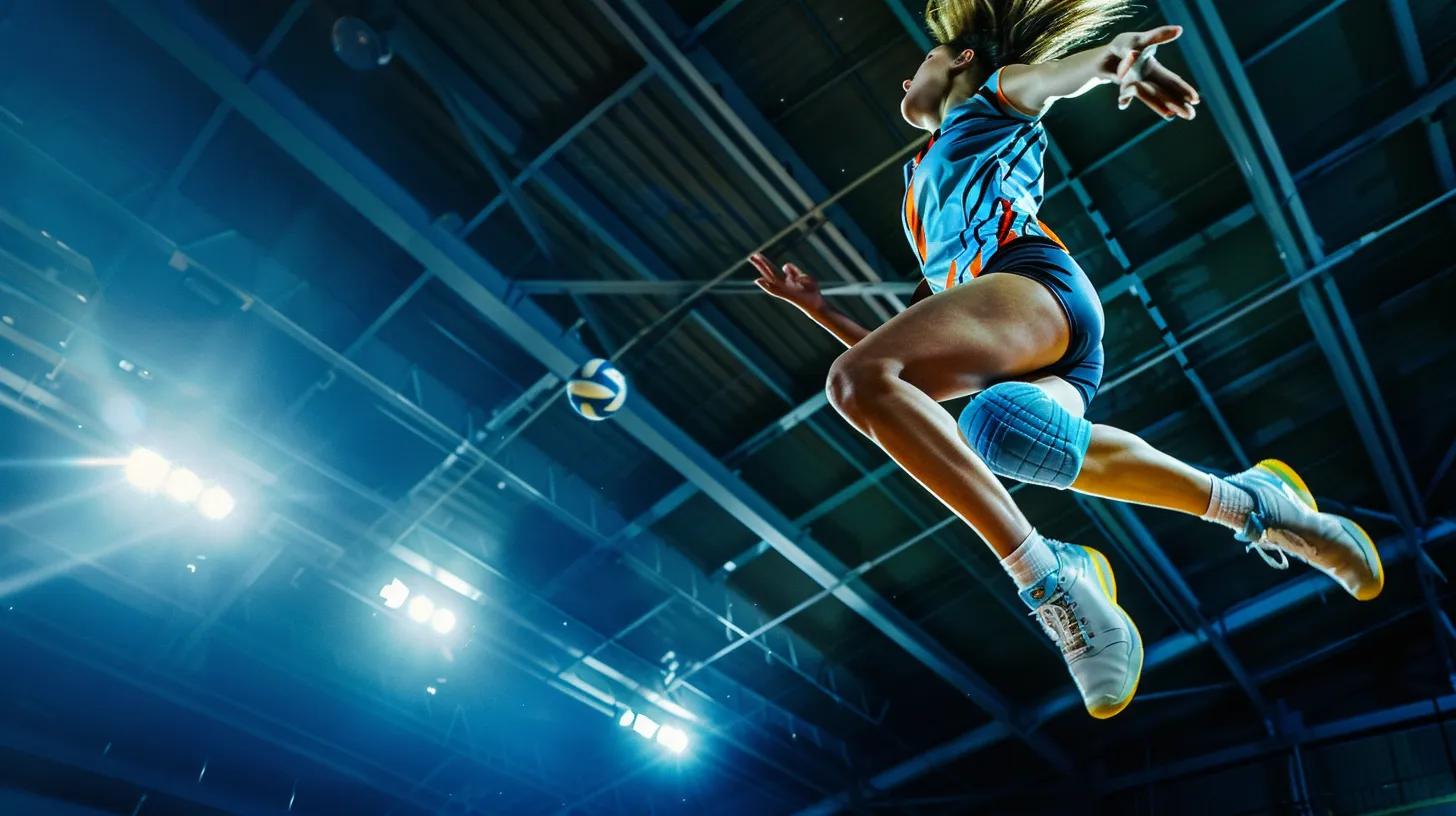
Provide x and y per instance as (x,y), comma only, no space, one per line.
(1023,434)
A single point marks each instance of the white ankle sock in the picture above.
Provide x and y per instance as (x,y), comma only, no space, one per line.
(1032,561)
(1228,504)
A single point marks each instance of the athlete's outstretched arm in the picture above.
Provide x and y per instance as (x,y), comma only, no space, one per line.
(793,285)
(1033,88)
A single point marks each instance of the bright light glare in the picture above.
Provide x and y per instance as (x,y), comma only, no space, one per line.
(146,470)
(421,608)
(215,503)
(183,485)
(394,594)
(672,739)
(645,725)
(626,718)
(443,621)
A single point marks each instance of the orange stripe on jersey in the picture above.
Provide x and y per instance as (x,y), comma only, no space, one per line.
(1001,96)
(913,219)
(1008,215)
(1006,104)
(950,277)
(921,155)
(1051,235)
(976,264)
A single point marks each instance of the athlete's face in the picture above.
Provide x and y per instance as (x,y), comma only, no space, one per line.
(925,93)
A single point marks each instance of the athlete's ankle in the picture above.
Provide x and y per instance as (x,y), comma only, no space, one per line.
(1228,504)
(1030,562)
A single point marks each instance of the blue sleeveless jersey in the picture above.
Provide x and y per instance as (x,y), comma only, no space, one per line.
(975,187)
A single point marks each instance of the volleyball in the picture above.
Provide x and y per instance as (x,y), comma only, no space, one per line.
(597,390)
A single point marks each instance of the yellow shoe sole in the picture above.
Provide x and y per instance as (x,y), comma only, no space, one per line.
(1286,474)
(1108,581)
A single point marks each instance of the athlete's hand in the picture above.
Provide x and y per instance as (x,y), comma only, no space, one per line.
(1140,76)
(790,284)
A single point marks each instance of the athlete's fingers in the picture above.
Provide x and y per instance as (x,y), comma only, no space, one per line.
(1125,64)
(794,273)
(764,266)
(1159,35)
(1174,100)
(1179,87)
(1126,93)
(1157,101)
(1150,97)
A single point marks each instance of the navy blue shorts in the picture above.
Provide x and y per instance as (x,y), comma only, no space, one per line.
(1051,266)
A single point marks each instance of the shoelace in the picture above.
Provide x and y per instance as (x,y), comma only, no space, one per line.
(1059,616)
(1263,548)
(1260,543)
(1257,540)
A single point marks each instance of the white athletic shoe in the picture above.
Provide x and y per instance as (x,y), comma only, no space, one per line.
(1077,607)
(1286,521)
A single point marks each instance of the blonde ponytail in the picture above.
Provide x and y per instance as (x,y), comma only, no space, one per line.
(1021,31)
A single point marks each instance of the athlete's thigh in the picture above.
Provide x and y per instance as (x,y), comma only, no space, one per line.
(995,327)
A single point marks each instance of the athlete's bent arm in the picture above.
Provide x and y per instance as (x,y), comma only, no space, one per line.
(1033,88)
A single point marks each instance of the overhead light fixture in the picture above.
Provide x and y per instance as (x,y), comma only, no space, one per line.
(215,503)
(443,621)
(394,594)
(183,485)
(150,472)
(673,739)
(645,726)
(670,737)
(421,609)
(146,470)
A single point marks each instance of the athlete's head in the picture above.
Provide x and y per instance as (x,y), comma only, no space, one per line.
(978,36)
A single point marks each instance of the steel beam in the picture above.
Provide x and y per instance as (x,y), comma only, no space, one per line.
(220,113)
(1274,191)
(1266,606)
(709,20)
(1128,284)
(560,143)
(223,711)
(1254,302)
(599,219)
(1142,550)
(89,350)
(1423,107)
(338,163)
(602,686)
(183,789)
(1438,709)
(891,119)
(280,115)
(115,584)
(686,491)
(708,93)
(586,208)
(497,172)
(1145,298)
(1277,198)
(1420,78)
